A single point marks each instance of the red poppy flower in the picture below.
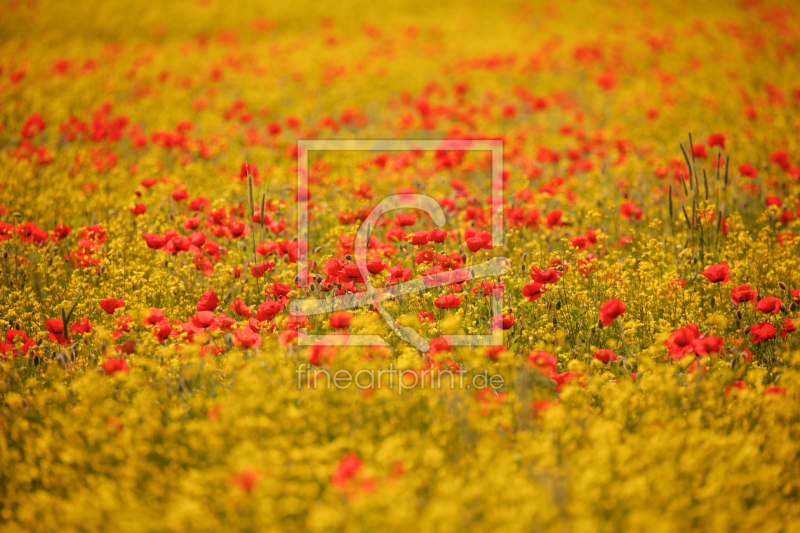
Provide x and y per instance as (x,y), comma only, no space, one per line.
(629,210)
(110,305)
(545,276)
(155,242)
(605,356)
(203,320)
(533,291)
(789,325)
(239,229)
(762,332)
(268,310)
(769,304)
(246,339)
(448,301)
(398,274)
(716,139)
(18,342)
(346,470)
(154,316)
(418,238)
(113,365)
(544,361)
(341,319)
(208,301)
(735,386)
(240,308)
(162,330)
(611,310)
(541,406)
(565,378)
(260,269)
(505,321)
(375,266)
(743,293)
(479,241)
(438,235)
(718,273)
(82,326)
(748,170)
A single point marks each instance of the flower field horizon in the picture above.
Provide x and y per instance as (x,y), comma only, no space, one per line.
(519,266)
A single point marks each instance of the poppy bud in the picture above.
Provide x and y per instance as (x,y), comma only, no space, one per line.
(555,321)
(119,254)
(793,307)
(783,308)
(524,269)
(600,324)
(463,258)
(738,323)
(314,264)
(558,305)
(318,279)
(317,249)
(525,257)
(312,287)
(712,302)
(348,257)
(5,254)
(738,315)
(747,330)
(461,250)
(782,285)
(166,263)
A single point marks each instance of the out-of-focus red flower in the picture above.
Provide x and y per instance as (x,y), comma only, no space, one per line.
(341,319)
(245,479)
(112,365)
(109,305)
(716,139)
(733,387)
(544,361)
(629,210)
(605,356)
(611,310)
(347,469)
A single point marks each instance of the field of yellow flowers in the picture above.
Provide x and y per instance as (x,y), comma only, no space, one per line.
(158,373)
